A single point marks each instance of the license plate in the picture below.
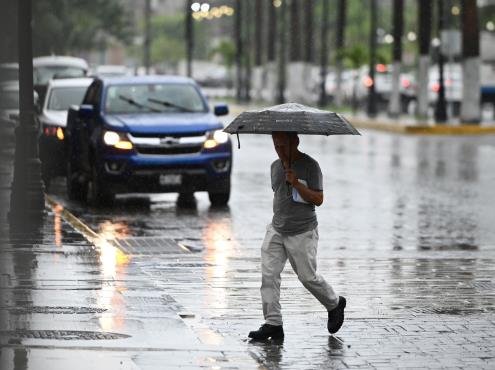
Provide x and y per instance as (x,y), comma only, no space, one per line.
(170,179)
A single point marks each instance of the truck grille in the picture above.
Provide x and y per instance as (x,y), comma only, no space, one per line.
(168,145)
(168,151)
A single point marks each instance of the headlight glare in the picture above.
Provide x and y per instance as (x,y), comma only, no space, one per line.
(117,140)
(220,137)
(111,138)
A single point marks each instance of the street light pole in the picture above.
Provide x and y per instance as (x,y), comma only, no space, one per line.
(371,108)
(189,37)
(441,103)
(324,54)
(147,35)
(27,199)
(282,60)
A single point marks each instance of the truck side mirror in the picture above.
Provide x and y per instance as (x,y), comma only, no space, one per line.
(86,111)
(221,110)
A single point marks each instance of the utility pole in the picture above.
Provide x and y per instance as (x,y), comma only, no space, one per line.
(424,40)
(471,90)
(282,57)
(271,52)
(322,101)
(308,31)
(248,18)
(27,201)
(239,48)
(340,44)
(441,103)
(258,36)
(371,108)
(147,36)
(189,37)
(398,28)
(295,31)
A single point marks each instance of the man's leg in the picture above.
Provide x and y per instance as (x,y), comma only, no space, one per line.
(273,258)
(301,250)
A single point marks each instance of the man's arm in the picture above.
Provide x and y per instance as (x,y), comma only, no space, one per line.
(311,196)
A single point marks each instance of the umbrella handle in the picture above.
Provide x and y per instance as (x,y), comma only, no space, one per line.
(238,141)
(289,191)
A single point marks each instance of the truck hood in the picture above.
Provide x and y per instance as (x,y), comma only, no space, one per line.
(170,123)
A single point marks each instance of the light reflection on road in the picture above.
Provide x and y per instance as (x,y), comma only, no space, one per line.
(114,264)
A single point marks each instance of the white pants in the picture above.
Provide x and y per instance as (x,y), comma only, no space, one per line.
(301,251)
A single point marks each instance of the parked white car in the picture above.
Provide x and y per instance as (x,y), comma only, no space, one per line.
(60,96)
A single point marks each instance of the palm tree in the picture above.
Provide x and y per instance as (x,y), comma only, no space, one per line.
(470,109)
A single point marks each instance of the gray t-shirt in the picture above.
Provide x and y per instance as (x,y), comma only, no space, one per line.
(290,217)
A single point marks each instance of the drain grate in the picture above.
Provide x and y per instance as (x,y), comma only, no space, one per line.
(61,335)
(150,246)
(63,310)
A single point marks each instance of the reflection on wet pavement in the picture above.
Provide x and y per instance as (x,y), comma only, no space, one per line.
(406,233)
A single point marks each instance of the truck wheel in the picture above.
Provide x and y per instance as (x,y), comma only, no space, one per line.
(220,193)
(99,190)
(219,199)
(76,190)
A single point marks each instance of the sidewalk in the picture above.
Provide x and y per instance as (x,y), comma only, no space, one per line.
(71,300)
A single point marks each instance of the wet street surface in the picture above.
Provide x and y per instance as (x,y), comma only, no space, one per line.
(406,235)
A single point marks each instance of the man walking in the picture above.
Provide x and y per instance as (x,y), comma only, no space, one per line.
(293,235)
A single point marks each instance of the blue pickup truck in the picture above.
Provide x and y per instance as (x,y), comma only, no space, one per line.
(146,134)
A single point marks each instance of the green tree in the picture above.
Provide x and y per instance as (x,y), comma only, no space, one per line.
(65,26)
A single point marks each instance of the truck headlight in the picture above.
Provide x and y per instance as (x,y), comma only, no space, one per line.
(215,138)
(117,140)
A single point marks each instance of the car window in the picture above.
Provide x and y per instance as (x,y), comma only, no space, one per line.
(9,99)
(155,97)
(44,74)
(61,98)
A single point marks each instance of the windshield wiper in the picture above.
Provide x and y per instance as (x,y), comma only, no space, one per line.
(137,104)
(171,105)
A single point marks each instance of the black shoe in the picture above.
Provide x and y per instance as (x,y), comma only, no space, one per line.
(336,316)
(267,331)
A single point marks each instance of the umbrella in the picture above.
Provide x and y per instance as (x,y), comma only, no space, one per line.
(290,117)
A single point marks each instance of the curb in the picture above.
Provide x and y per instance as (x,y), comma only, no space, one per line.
(423,129)
(75,222)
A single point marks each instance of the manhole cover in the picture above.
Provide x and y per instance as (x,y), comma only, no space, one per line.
(61,335)
(64,310)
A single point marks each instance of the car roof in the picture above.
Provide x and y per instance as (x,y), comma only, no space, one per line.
(129,80)
(70,82)
(58,60)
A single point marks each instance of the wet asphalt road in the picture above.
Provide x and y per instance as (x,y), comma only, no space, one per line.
(406,234)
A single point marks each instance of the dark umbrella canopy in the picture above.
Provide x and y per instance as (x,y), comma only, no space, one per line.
(291,117)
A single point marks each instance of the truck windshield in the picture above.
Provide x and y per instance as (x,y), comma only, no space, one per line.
(61,98)
(146,98)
